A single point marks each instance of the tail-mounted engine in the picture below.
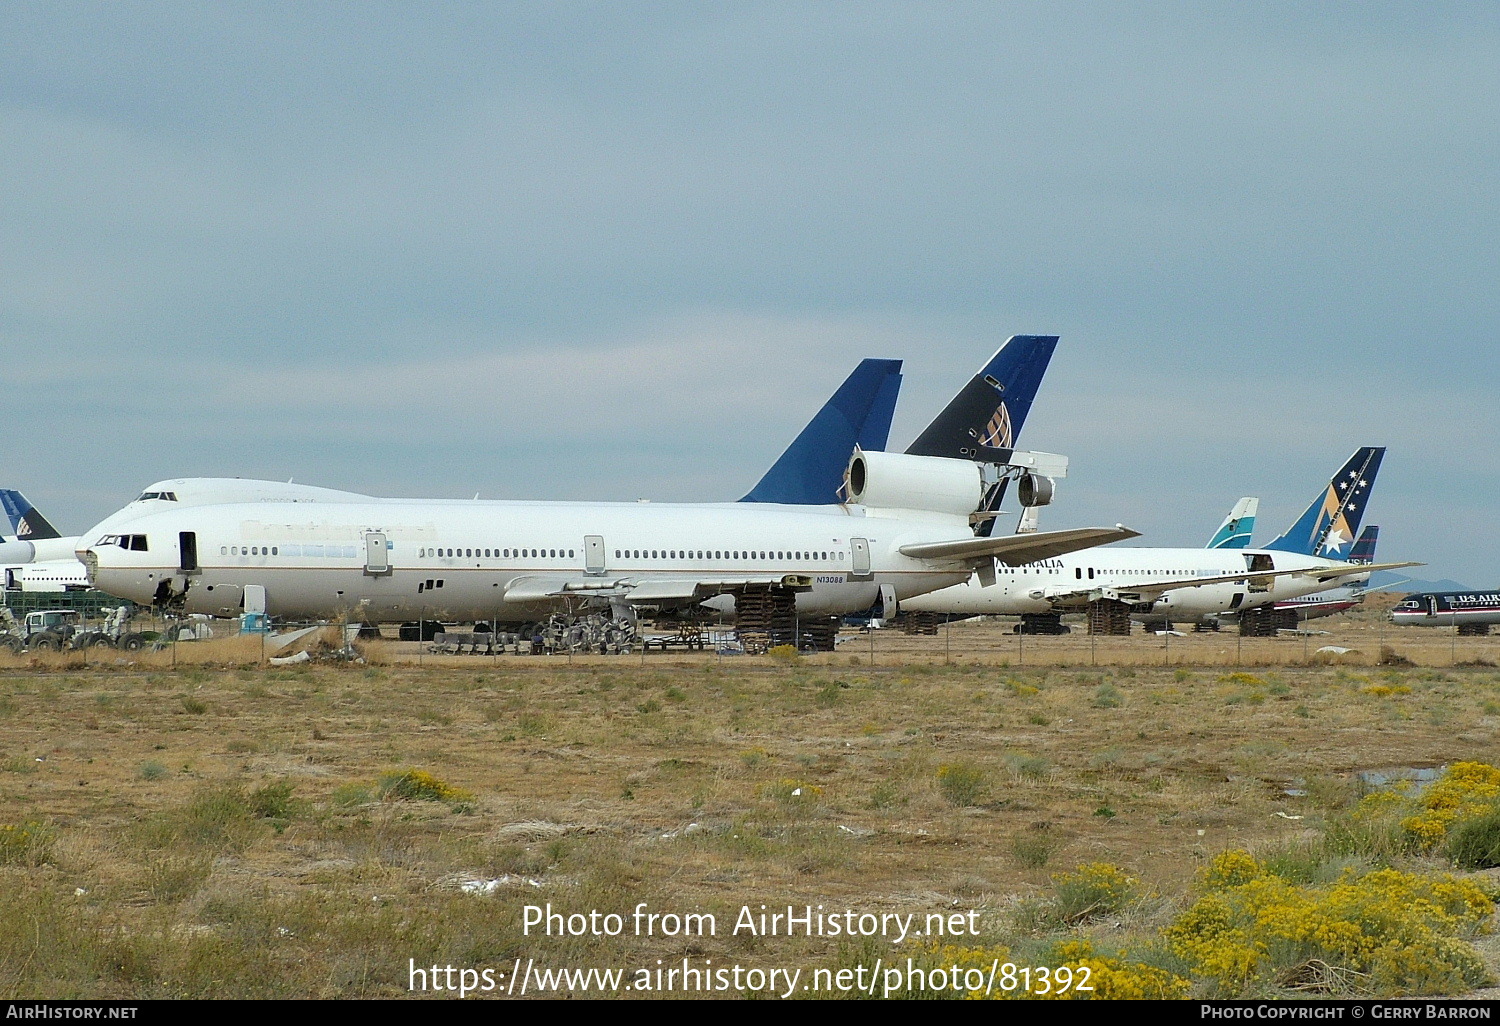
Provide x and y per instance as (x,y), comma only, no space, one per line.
(889,480)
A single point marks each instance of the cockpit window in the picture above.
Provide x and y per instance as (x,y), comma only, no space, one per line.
(133,542)
(163,496)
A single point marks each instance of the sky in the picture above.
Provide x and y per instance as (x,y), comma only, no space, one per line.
(612,251)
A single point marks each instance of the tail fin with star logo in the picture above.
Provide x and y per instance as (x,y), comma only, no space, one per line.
(1327,527)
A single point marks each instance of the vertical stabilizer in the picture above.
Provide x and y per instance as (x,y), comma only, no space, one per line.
(811,470)
(1235,531)
(1364,548)
(26,524)
(984,421)
(1327,527)
(989,411)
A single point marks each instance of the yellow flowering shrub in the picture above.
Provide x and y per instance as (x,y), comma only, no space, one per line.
(1106,977)
(25,844)
(1117,978)
(1095,888)
(419,785)
(1467,790)
(1255,928)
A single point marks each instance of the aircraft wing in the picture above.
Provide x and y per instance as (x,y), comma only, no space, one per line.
(643,591)
(1353,570)
(1152,589)
(1016,549)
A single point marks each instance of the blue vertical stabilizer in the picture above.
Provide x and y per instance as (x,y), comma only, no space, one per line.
(989,411)
(1327,527)
(1364,549)
(811,470)
(984,420)
(26,524)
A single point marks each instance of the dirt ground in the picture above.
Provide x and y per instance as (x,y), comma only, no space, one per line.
(900,774)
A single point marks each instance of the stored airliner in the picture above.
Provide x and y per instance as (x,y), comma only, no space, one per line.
(907,529)
(1184,584)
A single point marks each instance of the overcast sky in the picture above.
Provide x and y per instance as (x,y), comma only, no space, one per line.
(619,250)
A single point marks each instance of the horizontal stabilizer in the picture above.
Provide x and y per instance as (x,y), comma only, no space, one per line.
(1018,549)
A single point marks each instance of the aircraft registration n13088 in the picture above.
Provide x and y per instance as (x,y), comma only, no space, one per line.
(908,529)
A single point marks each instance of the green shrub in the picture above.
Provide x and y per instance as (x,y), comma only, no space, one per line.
(964,785)
(1475,843)
(1094,889)
(273,801)
(25,844)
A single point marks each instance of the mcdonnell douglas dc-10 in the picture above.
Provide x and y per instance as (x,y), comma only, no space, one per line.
(907,529)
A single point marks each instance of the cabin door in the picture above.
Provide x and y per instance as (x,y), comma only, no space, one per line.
(859,550)
(187,542)
(593,553)
(377,553)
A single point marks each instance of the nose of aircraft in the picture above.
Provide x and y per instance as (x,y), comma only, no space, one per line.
(109,572)
(90,560)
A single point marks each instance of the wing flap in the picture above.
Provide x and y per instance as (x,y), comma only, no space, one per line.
(643,590)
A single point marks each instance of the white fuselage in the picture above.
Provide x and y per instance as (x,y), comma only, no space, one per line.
(1065,583)
(1323,603)
(501,560)
(51,575)
(176,493)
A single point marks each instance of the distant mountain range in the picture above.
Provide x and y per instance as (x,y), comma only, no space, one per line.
(1391,580)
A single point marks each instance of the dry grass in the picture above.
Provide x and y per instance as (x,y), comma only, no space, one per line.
(258,857)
